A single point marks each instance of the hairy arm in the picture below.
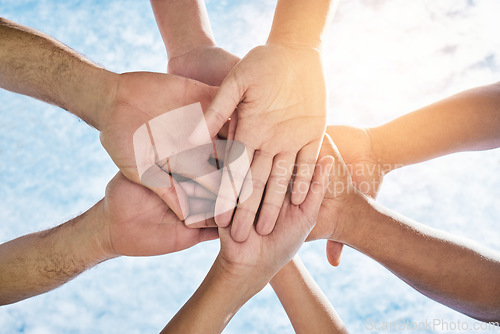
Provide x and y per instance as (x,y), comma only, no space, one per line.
(35,64)
(305,304)
(467,121)
(36,263)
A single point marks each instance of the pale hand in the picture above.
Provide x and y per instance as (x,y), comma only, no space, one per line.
(207,64)
(263,256)
(280,96)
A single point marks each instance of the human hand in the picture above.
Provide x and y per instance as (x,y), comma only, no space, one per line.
(280,95)
(140,97)
(263,256)
(139,223)
(355,146)
(206,63)
(339,193)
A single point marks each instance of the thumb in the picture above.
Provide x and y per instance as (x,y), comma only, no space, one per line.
(175,197)
(318,186)
(333,252)
(223,105)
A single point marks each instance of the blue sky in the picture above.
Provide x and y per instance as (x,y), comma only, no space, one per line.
(382,59)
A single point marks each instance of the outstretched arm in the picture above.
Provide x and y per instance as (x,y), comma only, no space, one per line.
(453,271)
(39,262)
(467,121)
(35,64)
(305,304)
(131,220)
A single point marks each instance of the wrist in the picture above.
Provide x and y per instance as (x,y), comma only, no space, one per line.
(381,151)
(237,275)
(179,50)
(183,25)
(105,92)
(295,41)
(94,235)
(293,44)
(352,215)
(300,24)
(239,284)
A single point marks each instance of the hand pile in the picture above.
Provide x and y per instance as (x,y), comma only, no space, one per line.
(278,131)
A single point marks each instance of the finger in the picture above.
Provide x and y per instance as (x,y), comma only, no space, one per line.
(201,220)
(193,189)
(207,234)
(223,105)
(340,178)
(200,205)
(174,197)
(201,213)
(236,167)
(317,190)
(223,131)
(217,158)
(251,195)
(231,132)
(191,166)
(210,178)
(276,189)
(333,252)
(306,159)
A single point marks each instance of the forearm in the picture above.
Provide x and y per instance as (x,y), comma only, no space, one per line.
(300,23)
(35,64)
(39,262)
(466,121)
(183,24)
(215,302)
(305,304)
(451,270)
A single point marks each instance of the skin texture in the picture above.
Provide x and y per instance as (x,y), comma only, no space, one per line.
(227,287)
(140,97)
(131,220)
(202,60)
(352,218)
(278,88)
(466,121)
(34,64)
(305,304)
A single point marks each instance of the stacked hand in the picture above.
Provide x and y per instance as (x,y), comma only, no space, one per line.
(355,147)
(264,256)
(280,99)
(136,222)
(140,97)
